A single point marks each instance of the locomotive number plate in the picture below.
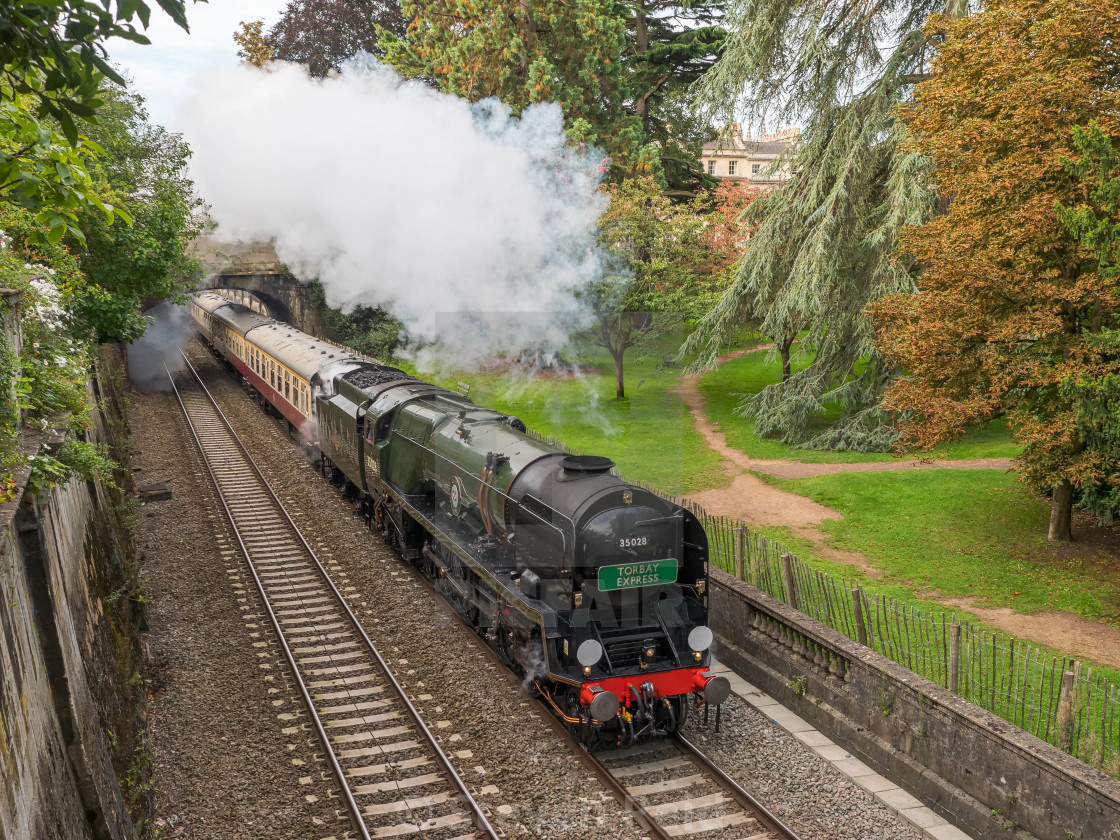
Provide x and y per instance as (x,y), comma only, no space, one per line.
(633,575)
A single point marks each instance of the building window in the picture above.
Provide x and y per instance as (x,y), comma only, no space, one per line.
(711,167)
(754,168)
(732,166)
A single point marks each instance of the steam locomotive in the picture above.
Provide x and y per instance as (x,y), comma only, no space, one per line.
(593,589)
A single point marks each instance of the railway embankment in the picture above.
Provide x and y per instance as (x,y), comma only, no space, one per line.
(978,770)
(73,756)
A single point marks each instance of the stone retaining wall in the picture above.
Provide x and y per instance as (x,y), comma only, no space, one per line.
(71,696)
(982,773)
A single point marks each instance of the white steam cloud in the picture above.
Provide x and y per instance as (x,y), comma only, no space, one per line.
(473,228)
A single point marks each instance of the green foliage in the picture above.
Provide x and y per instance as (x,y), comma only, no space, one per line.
(621,71)
(824,244)
(662,269)
(9,414)
(725,387)
(144,167)
(43,172)
(53,61)
(74,458)
(368,330)
(53,52)
(669,47)
(1096,399)
(522,53)
(1095,222)
(49,377)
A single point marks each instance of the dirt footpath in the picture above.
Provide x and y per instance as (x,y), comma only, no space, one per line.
(759,504)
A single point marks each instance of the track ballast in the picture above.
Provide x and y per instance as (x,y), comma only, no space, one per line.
(394,778)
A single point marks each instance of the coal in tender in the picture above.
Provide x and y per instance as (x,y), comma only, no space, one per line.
(369,377)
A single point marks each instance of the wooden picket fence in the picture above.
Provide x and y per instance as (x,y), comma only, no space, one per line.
(1056,698)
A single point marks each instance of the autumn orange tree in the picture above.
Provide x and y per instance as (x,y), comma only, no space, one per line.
(1008,300)
(252,46)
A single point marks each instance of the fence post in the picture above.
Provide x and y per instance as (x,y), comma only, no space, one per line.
(954,655)
(740,552)
(1065,713)
(857,609)
(787,578)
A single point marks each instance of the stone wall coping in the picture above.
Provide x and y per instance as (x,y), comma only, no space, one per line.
(1046,756)
(11,293)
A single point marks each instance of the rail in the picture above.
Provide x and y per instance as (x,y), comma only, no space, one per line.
(321,637)
(726,804)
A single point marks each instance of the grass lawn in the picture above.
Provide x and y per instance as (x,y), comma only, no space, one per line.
(724,387)
(962,533)
(649,434)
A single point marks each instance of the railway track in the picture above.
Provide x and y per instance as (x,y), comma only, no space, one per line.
(394,778)
(675,791)
(669,786)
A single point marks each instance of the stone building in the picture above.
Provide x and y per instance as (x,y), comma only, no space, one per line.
(730,156)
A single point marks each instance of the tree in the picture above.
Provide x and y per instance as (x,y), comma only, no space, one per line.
(724,234)
(369,330)
(144,168)
(52,61)
(325,34)
(43,173)
(54,53)
(824,243)
(252,48)
(662,268)
(528,51)
(669,47)
(1010,302)
(1095,222)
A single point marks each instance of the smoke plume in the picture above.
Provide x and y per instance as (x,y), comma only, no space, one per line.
(156,352)
(473,228)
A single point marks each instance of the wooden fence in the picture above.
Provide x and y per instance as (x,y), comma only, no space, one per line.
(1056,698)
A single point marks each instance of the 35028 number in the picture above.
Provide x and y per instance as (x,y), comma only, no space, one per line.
(632,542)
